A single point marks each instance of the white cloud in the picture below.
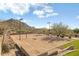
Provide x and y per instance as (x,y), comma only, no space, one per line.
(21,1)
(40,1)
(44,11)
(48,9)
(52,14)
(39,13)
(2,7)
(15,8)
(41,10)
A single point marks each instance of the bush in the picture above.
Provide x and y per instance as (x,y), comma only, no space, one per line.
(5,48)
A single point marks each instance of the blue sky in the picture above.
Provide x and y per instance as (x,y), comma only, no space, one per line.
(38,15)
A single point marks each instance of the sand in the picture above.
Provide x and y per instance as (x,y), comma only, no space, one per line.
(34,45)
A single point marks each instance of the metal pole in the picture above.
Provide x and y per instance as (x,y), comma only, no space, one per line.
(49,27)
(20,29)
(26,33)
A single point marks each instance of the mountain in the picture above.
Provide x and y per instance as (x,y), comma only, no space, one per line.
(14,24)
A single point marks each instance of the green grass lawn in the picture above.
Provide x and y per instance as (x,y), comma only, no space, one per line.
(74,53)
(75,43)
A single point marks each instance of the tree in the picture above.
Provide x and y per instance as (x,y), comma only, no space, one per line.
(70,33)
(76,30)
(59,29)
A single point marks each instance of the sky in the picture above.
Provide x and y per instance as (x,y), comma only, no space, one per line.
(39,14)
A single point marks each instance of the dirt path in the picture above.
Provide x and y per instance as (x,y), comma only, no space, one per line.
(34,45)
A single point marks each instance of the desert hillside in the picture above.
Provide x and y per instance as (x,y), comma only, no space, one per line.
(14,24)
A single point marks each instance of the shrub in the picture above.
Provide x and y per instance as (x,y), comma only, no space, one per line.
(5,48)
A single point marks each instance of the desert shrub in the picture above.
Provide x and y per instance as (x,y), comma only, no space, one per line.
(5,48)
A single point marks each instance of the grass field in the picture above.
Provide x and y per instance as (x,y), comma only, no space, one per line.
(74,53)
(75,43)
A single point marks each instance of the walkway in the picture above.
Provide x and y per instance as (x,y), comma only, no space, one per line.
(36,46)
